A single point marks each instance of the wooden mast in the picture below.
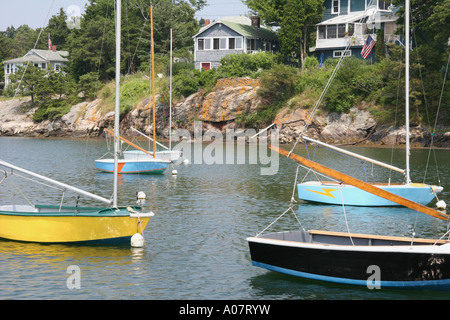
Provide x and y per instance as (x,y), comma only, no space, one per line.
(361,184)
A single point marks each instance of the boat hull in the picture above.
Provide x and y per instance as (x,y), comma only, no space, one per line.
(399,263)
(171,155)
(142,166)
(334,193)
(90,225)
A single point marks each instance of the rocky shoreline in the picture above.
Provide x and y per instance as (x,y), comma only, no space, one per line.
(217,110)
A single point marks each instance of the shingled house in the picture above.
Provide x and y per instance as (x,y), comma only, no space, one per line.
(40,58)
(231,35)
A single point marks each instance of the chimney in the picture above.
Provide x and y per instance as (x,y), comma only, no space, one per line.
(54,48)
(207,21)
(255,21)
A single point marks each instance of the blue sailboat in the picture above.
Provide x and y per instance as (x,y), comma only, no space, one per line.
(148,165)
(337,193)
(344,194)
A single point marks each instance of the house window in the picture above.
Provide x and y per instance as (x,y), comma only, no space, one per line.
(351,29)
(382,5)
(200,44)
(216,43)
(207,44)
(322,30)
(232,43)
(223,43)
(239,43)
(341,53)
(57,66)
(8,68)
(331,31)
(43,66)
(335,7)
(341,30)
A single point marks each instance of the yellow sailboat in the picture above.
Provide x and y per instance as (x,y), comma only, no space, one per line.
(62,224)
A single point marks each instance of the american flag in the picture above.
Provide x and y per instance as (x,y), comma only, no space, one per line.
(368,46)
(49,42)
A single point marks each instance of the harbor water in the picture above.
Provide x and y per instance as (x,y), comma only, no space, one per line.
(195,245)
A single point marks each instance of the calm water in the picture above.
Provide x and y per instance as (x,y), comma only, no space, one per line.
(196,244)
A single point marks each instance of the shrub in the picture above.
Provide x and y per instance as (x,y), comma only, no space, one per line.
(278,84)
(51,110)
(89,84)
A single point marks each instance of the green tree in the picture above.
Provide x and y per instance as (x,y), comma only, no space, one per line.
(26,80)
(380,46)
(53,92)
(23,40)
(430,23)
(58,30)
(296,20)
(92,47)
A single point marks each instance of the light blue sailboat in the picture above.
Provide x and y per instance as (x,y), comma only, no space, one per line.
(345,194)
(330,192)
(148,165)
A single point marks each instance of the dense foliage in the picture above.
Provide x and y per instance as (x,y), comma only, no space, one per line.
(378,87)
(91,46)
(296,21)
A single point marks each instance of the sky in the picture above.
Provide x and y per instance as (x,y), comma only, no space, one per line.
(35,13)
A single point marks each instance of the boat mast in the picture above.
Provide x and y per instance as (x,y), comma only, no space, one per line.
(153,82)
(170,95)
(117,102)
(407,9)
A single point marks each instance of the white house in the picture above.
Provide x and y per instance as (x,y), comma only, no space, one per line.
(40,58)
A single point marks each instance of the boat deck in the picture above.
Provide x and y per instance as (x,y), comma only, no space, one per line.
(344,238)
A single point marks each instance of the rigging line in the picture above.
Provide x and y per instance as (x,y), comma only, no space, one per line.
(396,111)
(435,120)
(35,181)
(427,104)
(328,83)
(318,174)
(345,216)
(101,50)
(35,45)
(23,195)
(137,46)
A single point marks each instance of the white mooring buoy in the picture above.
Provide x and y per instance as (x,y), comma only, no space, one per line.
(441,205)
(174,172)
(137,240)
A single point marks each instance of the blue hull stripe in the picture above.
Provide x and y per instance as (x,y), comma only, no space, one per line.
(432,284)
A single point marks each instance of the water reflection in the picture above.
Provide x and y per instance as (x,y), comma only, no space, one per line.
(195,244)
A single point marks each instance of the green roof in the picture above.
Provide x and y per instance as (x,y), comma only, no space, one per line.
(251,31)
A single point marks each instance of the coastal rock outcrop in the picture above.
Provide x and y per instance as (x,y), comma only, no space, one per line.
(217,110)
